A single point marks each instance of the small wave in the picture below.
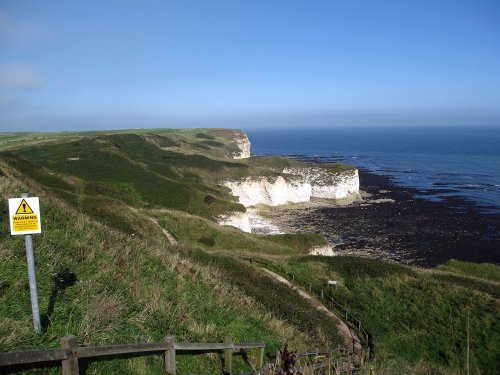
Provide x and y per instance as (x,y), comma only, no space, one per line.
(472,187)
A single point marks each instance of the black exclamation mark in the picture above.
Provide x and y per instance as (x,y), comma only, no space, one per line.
(24,207)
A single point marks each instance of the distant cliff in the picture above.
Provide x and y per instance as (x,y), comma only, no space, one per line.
(243,144)
(212,143)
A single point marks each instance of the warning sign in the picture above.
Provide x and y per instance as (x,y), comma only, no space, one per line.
(24,208)
(24,216)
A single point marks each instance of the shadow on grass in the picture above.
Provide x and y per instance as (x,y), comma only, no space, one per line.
(62,280)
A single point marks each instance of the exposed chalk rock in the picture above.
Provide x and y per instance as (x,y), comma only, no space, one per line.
(324,250)
(326,184)
(243,144)
(249,222)
(270,191)
(294,186)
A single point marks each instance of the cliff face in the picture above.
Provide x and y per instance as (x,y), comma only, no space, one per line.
(325,184)
(296,185)
(271,191)
(243,144)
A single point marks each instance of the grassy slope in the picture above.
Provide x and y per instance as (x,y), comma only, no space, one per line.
(197,231)
(131,289)
(130,285)
(128,167)
(413,315)
(216,143)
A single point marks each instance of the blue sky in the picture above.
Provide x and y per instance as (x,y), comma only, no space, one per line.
(68,65)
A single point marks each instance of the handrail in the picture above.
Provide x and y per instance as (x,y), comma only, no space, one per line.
(33,356)
(70,353)
(328,358)
(323,352)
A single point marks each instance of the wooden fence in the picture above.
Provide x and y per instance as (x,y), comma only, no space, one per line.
(70,353)
(338,360)
(332,361)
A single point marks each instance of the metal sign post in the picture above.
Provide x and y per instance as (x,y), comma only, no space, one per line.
(25,217)
(30,257)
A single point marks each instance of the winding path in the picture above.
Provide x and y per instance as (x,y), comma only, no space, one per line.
(350,337)
(167,234)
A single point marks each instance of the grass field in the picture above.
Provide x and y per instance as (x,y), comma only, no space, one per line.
(412,315)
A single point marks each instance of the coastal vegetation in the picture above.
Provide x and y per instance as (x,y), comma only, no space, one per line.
(410,313)
(108,274)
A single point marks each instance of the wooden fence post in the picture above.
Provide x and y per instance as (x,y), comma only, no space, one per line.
(260,359)
(329,358)
(170,356)
(228,357)
(70,365)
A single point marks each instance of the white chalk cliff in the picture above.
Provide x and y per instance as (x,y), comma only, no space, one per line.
(294,186)
(290,185)
(327,184)
(271,191)
(243,144)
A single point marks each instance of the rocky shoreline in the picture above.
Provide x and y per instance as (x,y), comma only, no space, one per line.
(394,223)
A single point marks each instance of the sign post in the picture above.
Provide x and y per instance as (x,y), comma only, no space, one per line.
(24,216)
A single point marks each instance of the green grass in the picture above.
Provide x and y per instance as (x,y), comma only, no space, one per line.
(196,231)
(412,316)
(130,165)
(482,271)
(273,295)
(186,141)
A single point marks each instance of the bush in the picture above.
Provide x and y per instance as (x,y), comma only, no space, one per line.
(205,240)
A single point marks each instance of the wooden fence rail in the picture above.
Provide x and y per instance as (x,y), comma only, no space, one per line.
(339,360)
(69,353)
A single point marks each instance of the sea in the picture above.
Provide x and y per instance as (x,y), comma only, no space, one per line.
(459,161)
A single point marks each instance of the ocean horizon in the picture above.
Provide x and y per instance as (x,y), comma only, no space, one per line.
(456,161)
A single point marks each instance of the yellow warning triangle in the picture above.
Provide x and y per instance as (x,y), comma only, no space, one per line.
(24,208)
